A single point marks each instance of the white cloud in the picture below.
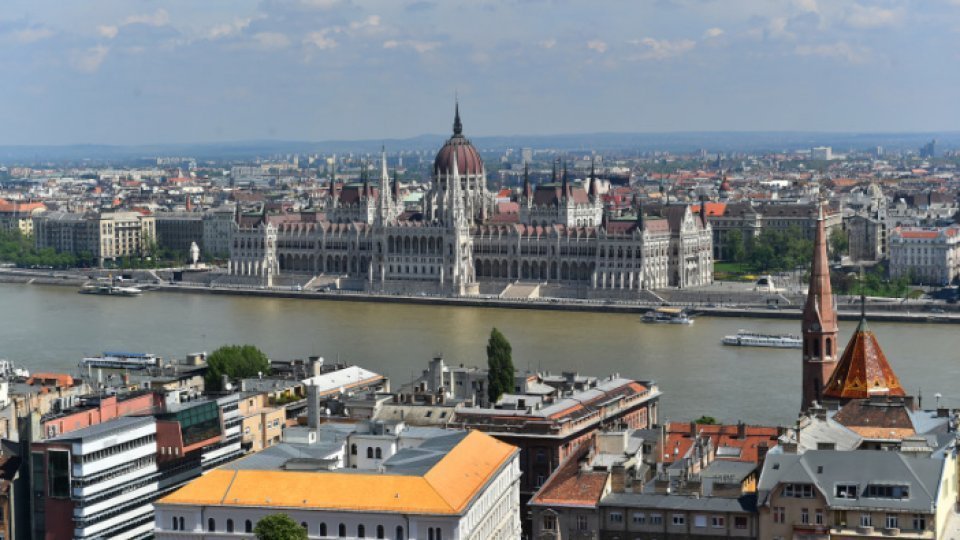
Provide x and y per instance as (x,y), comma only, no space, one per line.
(712,33)
(661,49)
(320,40)
(597,45)
(30,35)
(373,21)
(320,4)
(840,50)
(108,31)
(271,40)
(807,6)
(228,29)
(551,43)
(871,16)
(419,46)
(159,17)
(89,60)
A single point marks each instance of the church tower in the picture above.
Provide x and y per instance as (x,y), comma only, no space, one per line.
(819,321)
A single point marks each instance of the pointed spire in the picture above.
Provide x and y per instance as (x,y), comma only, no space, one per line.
(819,324)
(527,190)
(457,125)
(594,189)
(565,186)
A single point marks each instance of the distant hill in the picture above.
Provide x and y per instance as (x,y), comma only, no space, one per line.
(677,142)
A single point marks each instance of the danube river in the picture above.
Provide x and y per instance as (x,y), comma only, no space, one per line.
(51,328)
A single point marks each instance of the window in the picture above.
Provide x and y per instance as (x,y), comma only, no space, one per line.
(399,535)
(846,491)
(182,528)
(887,492)
(175,523)
(58,473)
(740,522)
(211,525)
(379,453)
(540,480)
(615,517)
(369,452)
(799,491)
(323,529)
(549,522)
(229,525)
(248,526)
(679,519)
(656,519)
(303,525)
(779,514)
(353,449)
(893,521)
(361,532)
(919,522)
(866,519)
(342,530)
(639,518)
(379,531)
(818,517)
(583,524)
(718,522)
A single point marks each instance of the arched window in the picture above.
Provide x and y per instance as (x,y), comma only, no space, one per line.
(353,449)
(369,452)
(229,525)
(175,523)
(439,533)
(323,529)
(211,525)
(361,532)
(342,530)
(829,350)
(304,525)
(379,531)
(816,348)
(399,535)
(248,526)
(430,533)
(182,528)
(379,454)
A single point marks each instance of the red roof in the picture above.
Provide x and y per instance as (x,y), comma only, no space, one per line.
(863,370)
(570,486)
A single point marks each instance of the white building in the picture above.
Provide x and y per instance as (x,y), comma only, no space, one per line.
(925,255)
(821,153)
(449,485)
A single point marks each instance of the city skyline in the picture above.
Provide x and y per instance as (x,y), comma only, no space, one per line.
(177,72)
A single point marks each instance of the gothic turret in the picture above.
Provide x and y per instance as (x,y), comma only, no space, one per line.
(819,321)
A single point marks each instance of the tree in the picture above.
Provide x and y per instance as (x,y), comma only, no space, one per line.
(706,420)
(839,244)
(736,251)
(234,361)
(279,527)
(500,371)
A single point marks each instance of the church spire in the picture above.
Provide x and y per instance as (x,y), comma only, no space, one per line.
(819,324)
(457,125)
(383,211)
(527,190)
(594,189)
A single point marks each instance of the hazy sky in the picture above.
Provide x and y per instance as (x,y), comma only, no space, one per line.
(141,71)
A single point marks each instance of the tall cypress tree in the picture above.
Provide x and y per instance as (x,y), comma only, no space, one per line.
(500,371)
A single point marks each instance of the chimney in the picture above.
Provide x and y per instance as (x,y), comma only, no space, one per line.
(741,430)
(313,406)
(618,478)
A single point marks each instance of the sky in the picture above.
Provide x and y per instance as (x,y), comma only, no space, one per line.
(183,71)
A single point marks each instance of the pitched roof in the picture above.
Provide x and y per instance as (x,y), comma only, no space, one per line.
(572,486)
(863,370)
(446,488)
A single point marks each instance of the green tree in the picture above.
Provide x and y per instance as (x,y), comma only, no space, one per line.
(706,420)
(234,361)
(500,371)
(279,527)
(736,250)
(839,244)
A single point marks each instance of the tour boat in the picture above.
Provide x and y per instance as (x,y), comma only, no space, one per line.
(754,339)
(668,315)
(110,290)
(121,360)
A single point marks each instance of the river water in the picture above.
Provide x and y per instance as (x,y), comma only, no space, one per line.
(51,328)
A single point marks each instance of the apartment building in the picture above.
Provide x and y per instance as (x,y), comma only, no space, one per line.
(925,255)
(106,236)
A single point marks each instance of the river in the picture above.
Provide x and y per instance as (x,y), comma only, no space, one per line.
(51,328)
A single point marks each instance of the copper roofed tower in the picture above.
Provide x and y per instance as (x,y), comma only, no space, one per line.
(863,370)
(819,324)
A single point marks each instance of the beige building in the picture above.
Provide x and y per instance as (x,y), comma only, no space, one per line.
(17,215)
(107,236)
(925,255)
(856,494)
(262,425)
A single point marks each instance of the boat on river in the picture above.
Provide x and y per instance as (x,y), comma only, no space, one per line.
(754,339)
(107,287)
(121,360)
(667,315)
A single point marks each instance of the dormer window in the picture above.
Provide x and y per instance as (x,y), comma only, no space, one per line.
(875,491)
(846,491)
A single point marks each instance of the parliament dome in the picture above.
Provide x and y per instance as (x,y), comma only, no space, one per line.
(468,159)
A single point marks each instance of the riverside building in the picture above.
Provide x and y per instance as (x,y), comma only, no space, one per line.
(452,243)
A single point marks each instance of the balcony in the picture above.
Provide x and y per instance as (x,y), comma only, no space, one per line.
(880,532)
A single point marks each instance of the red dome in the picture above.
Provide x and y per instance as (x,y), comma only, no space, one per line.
(468,159)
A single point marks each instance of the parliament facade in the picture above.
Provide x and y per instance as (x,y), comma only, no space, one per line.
(456,243)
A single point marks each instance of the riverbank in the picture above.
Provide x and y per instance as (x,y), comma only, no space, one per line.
(902,312)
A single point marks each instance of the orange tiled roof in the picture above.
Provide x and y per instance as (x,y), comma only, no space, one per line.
(570,486)
(446,488)
(863,370)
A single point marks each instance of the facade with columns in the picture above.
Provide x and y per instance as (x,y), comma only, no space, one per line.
(454,242)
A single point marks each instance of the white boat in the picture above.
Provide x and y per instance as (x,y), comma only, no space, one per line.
(110,290)
(667,315)
(10,371)
(754,339)
(121,360)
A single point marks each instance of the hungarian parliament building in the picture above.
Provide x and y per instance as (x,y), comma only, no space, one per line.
(454,243)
